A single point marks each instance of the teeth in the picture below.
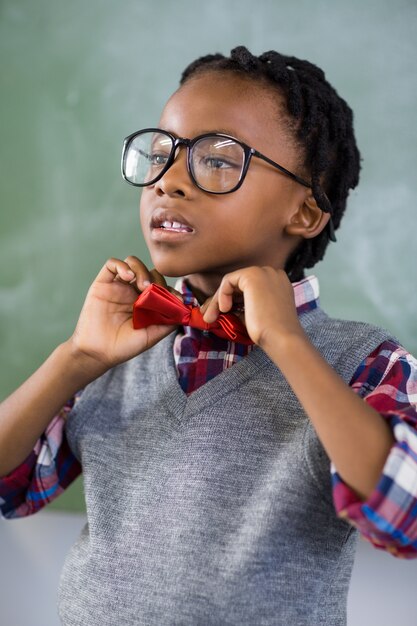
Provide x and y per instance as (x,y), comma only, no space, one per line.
(174,225)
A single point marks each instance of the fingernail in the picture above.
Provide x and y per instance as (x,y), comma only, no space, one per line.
(146,283)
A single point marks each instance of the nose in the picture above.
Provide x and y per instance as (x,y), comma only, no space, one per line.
(176,181)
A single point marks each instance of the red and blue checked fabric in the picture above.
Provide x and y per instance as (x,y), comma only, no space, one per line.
(386,379)
(200,355)
(48,470)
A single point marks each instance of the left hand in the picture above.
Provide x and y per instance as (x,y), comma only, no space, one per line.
(270,312)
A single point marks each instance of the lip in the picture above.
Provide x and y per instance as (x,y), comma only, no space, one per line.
(159,233)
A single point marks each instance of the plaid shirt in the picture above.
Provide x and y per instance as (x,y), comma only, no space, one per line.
(386,379)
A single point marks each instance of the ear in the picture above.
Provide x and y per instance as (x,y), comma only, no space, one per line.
(309,220)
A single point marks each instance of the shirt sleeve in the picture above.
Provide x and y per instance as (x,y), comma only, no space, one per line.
(387,381)
(48,470)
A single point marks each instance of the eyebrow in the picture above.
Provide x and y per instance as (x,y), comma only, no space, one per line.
(209,131)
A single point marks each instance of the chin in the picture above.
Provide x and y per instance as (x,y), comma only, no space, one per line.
(172,269)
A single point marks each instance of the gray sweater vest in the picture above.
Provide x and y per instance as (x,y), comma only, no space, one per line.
(213,509)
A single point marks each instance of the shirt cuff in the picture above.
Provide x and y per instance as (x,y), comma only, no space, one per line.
(43,476)
(388,518)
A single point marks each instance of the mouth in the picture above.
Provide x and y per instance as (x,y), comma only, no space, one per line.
(167,223)
(176,227)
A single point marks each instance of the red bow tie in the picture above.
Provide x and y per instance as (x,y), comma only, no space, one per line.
(157,305)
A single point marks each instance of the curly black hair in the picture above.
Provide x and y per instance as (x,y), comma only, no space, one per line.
(323,127)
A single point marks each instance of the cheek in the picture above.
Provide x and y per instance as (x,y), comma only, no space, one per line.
(275,201)
(259,212)
(143,214)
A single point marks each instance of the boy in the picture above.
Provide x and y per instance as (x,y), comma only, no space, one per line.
(207,461)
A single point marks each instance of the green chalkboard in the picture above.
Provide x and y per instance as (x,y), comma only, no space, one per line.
(77,77)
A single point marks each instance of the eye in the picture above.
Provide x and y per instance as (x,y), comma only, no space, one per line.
(217,163)
(157,159)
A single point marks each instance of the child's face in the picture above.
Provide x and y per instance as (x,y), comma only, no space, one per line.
(240,229)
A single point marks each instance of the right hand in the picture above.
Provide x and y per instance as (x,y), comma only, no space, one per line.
(104,335)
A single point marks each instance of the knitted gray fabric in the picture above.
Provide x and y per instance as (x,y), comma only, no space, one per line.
(214,509)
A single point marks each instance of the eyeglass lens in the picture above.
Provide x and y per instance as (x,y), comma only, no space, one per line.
(216,162)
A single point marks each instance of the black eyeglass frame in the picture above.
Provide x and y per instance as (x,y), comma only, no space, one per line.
(189,143)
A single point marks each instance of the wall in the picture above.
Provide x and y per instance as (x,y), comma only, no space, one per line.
(77,77)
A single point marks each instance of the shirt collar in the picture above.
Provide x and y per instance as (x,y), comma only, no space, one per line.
(306,293)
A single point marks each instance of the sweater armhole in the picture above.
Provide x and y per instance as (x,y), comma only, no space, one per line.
(318,464)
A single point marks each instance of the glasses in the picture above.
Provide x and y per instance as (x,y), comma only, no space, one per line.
(217,163)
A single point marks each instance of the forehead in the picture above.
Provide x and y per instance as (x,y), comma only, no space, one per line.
(224,102)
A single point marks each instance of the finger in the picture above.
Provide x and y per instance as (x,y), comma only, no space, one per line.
(142,276)
(113,268)
(157,278)
(205,305)
(211,309)
(225,297)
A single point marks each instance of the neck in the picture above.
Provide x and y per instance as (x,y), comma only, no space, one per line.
(204,286)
